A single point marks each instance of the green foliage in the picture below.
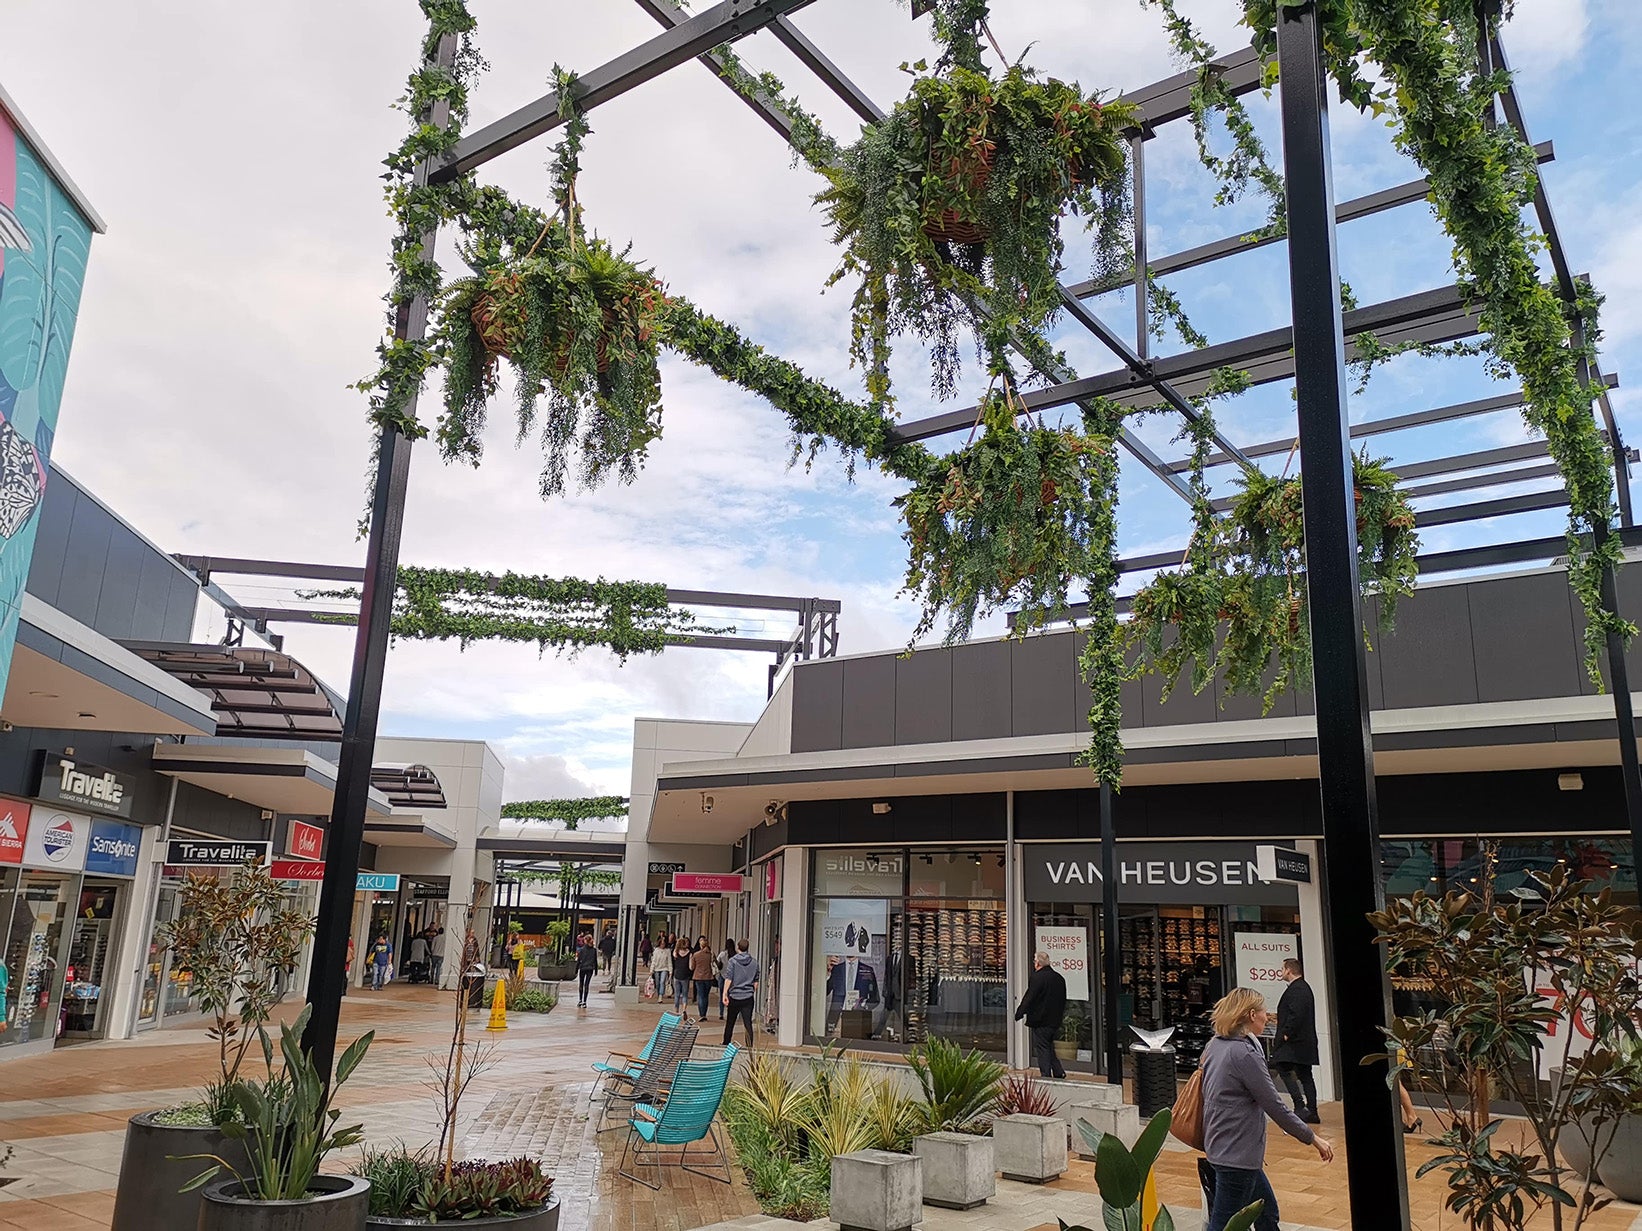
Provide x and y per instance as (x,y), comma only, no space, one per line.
(396,1176)
(234,935)
(1238,607)
(1121,1174)
(1505,971)
(412,1185)
(959,1089)
(785,1183)
(287,1120)
(1021,1095)
(570,811)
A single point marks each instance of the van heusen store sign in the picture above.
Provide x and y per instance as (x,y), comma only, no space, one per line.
(1185,873)
(78,784)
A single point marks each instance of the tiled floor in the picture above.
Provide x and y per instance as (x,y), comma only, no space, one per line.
(64,1116)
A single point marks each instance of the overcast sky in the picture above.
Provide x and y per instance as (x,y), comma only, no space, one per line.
(235,153)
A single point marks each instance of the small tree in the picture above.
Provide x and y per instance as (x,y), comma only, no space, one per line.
(1522,976)
(235,936)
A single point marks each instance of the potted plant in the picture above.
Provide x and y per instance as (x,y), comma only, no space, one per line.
(958,1092)
(553,966)
(1073,1027)
(289,1126)
(411,1189)
(232,936)
(1121,1174)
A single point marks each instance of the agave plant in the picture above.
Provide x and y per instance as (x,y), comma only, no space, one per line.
(1021,1095)
(960,1089)
(840,1115)
(893,1117)
(771,1095)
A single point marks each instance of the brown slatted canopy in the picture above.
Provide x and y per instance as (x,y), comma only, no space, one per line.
(409,786)
(254,692)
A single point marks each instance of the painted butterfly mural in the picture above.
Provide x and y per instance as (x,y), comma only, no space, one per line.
(44,244)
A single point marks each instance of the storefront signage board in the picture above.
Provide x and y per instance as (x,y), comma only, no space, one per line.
(711,883)
(664,867)
(113,849)
(305,841)
(430,892)
(846,874)
(377,882)
(1068,950)
(14,830)
(57,840)
(1279,863)
(76,783)
(213,853)
(1183,873)
(772,880)
(1258,958)
(296,870)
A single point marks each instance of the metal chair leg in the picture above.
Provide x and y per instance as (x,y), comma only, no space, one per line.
(637,1154)
(717,1152)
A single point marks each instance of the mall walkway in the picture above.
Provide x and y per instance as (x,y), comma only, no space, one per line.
(65,1114)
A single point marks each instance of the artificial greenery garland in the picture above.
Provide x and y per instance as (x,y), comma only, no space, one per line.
(571,811)
(568,877)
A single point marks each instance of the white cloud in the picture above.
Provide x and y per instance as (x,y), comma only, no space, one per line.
(1544,35)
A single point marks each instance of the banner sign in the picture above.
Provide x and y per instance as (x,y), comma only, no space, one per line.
(305,841)
(79,784)
(1186,873)
(113,849)
(1279,863)
(296,870)
(14,828)
(432,892)
(213,853)
(710,884)
(1068,950)
(57,840)
(1259,962)
(378,882)
(664,867)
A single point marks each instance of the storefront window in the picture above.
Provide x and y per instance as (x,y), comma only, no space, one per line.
(909,944)
(34,955)
(1438,865)
(91,960)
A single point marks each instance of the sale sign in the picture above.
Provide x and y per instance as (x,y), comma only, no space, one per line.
(1259,962)
(1068,950)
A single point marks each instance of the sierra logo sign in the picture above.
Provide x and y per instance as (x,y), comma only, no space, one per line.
(14,828)
(67,780)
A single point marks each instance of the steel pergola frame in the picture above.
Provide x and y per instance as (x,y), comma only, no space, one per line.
(1313,352)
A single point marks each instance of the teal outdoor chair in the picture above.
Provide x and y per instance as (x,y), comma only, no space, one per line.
(618,1066)
(673,1044)
(684,1118)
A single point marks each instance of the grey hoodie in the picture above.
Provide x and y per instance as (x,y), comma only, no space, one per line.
(742,974)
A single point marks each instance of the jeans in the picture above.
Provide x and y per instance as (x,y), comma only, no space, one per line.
(660,977)
(1043,1051)
(438,964)
(379,975)
(584,983)
(681,994)
(739,1008)
(704,989)
(1297,1080)
(1235,1188)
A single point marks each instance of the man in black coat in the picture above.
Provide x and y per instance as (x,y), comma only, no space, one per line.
(1295,1048)
(1044,1008)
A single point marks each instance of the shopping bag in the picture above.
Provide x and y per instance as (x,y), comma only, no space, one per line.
(1186,1120)
(650,987)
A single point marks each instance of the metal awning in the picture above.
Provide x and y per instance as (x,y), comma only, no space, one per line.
(253,692)
(409,786)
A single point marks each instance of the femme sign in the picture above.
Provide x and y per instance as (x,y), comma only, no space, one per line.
(705,884)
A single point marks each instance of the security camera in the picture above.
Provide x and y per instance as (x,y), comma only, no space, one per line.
(706,803)
(774,811)
(6,727)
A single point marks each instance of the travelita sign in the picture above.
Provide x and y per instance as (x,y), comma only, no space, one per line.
(68,780)
(1192,873)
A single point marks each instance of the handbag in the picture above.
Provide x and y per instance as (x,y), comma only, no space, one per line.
(650,988)
(1186,1118)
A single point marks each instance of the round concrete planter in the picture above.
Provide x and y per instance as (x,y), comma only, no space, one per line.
(1620,1169)
(544,1219)
(152,1170)
(336,1203)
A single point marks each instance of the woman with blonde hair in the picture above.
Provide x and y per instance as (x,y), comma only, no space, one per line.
(1238,1095)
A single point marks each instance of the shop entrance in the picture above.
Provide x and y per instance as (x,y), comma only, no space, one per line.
(34,957)
(93,954)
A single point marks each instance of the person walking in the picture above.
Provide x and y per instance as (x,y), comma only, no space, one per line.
(740,991)
(587,961)
(607,948)
(661,961)
(682,974)
(417,955)
(701,970)
(1238,1095)
(722,963)
(1295,1049)
(436,954)
(1044,1008)
(381,960)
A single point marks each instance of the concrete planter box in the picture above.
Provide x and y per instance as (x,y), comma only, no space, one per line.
(544,1219)
(147,1198)
(875,1190)
(1030,1148)
(556,972)
(1121,1120)
(336,1203)
(958,1169)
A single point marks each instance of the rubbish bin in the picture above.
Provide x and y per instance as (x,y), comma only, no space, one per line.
(1154,1079)
(474,984)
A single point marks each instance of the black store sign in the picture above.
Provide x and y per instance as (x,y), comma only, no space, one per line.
(660,867)
(207,853)
(79,784)
(1172,873)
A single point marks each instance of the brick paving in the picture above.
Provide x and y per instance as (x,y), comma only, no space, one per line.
(64,1115)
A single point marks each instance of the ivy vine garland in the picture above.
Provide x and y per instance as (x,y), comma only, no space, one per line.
(570,811)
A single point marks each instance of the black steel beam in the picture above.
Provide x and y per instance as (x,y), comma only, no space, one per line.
(668,15)
(771,602)
(812,58)
(1479,460)
(1360,988)
(725,22)
(1171,99)
(712,642)
(1504,506)
(1497,478)
(240,566)
(1230,245)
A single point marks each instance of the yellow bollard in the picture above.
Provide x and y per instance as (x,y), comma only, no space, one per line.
(498,1007)
(1148,1202)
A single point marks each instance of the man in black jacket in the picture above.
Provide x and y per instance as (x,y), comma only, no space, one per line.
(1044,1008)
(1295,1049)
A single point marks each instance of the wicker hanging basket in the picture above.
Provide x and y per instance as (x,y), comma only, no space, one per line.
(951,227)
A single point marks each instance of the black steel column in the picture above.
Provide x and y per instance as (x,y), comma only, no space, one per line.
(327,978)
(1111,973)
(1345,746)
(1619,683)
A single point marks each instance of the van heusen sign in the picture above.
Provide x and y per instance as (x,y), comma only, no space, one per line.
(1192,873)
(75,783)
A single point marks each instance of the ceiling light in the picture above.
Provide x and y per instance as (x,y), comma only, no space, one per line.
(880,808)
(1570,782)
(87,714)
(47,696)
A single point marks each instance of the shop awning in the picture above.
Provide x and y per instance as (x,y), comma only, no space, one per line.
(409,786)
(66,676)
(253,692)
(401,830)
(286,780)
(553,845)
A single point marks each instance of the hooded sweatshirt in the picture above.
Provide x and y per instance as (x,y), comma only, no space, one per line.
(742,973)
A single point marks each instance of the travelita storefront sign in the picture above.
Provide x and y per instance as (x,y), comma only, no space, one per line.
(79,784)
(1191,873)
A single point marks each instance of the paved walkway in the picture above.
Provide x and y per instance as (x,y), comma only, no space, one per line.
(64,1115)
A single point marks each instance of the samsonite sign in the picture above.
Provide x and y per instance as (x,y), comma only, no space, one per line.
(14,828)
(77,783)
(1200,873)
(113,849)
(57,840)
